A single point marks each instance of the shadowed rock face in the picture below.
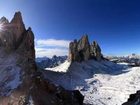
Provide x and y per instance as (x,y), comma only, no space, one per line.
(20,81)
(134,99)
(95,51)
(81,50)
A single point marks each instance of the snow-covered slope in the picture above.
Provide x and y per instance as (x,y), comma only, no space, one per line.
(112,89)
(102,83)
(62,68)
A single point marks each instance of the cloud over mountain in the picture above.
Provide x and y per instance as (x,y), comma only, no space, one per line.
(50,47)
(53,43)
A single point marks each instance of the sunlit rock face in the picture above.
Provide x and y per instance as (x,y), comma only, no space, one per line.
(82,50)
(20,81)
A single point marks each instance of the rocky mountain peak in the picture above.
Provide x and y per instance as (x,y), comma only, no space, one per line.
(95,51)
(83,42)
(17,25)
(82,50)
(12,33)
(4,20)
(17,19)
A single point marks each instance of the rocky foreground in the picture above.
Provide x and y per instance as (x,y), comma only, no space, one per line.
(20,81)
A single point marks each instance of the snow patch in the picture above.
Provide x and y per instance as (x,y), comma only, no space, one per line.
(31,101)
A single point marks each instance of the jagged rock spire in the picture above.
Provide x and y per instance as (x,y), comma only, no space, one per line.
(17,19)
(82,50)
(4,20)
(95,51)
(17,25)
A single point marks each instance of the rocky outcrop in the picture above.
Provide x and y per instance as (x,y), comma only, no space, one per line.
(134,99)
(20,81)
(82,50)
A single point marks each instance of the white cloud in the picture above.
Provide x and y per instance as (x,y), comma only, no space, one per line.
(51,47)
(49,52)
(53,43)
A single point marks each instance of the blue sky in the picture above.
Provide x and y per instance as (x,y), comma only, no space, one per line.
(114,24)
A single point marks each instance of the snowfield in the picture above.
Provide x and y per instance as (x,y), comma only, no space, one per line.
(102,83)
(112,90)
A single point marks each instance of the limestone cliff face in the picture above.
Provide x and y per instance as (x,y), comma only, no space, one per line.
(20,81)
(82,50)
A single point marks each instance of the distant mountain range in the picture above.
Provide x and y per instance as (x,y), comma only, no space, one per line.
(45,62)
(133,59)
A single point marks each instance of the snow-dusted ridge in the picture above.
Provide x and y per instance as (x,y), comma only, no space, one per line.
(61,68)
(102,83)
